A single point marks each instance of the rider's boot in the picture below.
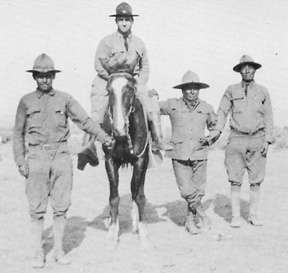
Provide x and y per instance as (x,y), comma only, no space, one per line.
(156,132)
(88,155)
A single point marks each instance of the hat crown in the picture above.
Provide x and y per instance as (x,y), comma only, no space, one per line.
(189,77)
(246,59)
(124,9)
(43,63)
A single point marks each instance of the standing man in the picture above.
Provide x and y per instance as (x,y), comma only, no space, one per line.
(189,117)
(251,129)
(41,153)
(121,51)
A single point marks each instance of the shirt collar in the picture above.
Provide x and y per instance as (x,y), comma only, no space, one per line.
(191,105)
(250,84)
(122,36)
(40,93)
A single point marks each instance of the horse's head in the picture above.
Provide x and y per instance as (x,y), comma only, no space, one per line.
(121,90)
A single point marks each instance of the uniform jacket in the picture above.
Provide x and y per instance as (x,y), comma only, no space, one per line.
(42,118)
(188,127)
(249,113)
(111,52)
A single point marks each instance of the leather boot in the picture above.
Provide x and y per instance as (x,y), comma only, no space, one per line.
(235,206)
(254,205)
(156,132)
(88,155)
(37,230)
(58,231)
(205,220)
(190,224)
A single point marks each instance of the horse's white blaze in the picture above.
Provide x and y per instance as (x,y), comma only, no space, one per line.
(117,86)
(135,217)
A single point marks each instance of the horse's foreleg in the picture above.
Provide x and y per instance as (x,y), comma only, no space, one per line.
(135,217)
(114,200)
(138,198)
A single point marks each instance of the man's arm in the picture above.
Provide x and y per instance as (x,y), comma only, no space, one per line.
(144,68)
(221,118)
(19,134)
(102,57)
(79,116)
(268,119)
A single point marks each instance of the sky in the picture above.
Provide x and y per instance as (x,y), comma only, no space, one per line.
(205,36)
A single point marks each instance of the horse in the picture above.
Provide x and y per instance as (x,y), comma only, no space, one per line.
(125,120)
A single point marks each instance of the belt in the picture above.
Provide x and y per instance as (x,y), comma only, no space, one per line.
(48,146)
(233,131)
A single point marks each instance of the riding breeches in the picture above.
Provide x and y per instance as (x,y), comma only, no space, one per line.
(243,152)
(50,177)
(190,176)
(99,99)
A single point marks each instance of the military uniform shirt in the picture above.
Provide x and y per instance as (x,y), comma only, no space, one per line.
(111,52)
(249,113)
(42,118)
(188,127)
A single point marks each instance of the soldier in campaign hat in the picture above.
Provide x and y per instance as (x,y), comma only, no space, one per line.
(251,130)
(41,153)
(121,51)
(189,117)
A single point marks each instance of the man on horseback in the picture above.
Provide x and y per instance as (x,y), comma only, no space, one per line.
(121,51)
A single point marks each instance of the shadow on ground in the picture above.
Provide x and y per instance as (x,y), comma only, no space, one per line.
(222,207)
(176,211)
(125,222)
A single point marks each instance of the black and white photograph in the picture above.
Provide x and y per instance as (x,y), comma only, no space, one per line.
(147,136)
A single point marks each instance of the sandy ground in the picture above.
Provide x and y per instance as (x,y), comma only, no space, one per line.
(223,249)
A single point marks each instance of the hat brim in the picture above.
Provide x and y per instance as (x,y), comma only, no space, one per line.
(237,68)
(124,15)
(43,71)
(194,85)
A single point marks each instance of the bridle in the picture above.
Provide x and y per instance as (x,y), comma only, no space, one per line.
(127,126)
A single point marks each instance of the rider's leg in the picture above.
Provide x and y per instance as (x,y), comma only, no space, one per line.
(99,101)
(151,106)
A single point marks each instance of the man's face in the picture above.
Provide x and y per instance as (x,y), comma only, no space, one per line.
(124,24)
(190,94)
(247,72)
(44,81)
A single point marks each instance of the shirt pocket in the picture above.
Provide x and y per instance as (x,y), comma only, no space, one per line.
(238,104)
(60,116)
(34,118)
(203,116)
(180,118)
(258,104)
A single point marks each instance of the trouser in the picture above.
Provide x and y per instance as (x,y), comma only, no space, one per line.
(50,176)
(243,152)
(190,177)
(191,181)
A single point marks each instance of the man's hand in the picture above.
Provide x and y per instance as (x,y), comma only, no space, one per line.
(24,170)
(204,142)
(264,149)
(109,142)
(212,138)
(152,93)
